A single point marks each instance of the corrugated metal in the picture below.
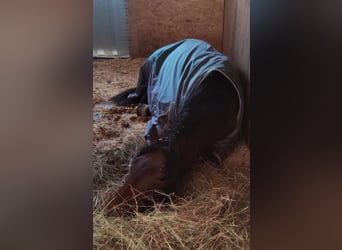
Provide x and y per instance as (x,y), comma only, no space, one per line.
(110,35)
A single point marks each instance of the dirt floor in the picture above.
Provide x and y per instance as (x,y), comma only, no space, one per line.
(112,125)
(214,210)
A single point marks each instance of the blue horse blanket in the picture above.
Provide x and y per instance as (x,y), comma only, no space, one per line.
(173,72)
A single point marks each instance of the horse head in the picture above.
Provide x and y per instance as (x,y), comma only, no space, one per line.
(148,175)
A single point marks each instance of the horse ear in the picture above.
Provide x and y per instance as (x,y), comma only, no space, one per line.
(152,136)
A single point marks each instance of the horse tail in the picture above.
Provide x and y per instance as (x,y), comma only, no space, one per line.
(125,98)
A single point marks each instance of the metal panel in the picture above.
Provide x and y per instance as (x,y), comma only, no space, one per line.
(110,35)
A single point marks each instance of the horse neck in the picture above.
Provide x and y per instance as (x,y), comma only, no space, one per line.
(182,152)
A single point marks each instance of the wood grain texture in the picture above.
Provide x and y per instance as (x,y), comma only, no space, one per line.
(236,44)
(153,24)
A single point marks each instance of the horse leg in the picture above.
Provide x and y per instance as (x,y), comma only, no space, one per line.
(136,95)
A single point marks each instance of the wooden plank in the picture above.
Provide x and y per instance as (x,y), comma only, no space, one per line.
(153,24)
(236,44)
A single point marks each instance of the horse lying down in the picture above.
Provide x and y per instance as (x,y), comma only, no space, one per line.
(196,105)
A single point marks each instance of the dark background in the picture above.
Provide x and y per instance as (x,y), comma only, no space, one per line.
(296,121)
(46,125)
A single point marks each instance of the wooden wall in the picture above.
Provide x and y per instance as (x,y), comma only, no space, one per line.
(236,44)
(236,34)
(153,24)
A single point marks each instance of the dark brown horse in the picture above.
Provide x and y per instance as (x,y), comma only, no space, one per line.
(205,126)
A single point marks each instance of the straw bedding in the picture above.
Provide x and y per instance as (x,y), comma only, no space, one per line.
(213,210)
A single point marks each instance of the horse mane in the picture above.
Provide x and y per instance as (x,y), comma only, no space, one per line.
(168,143)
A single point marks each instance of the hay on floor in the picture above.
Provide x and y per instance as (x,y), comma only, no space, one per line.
(213,212)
